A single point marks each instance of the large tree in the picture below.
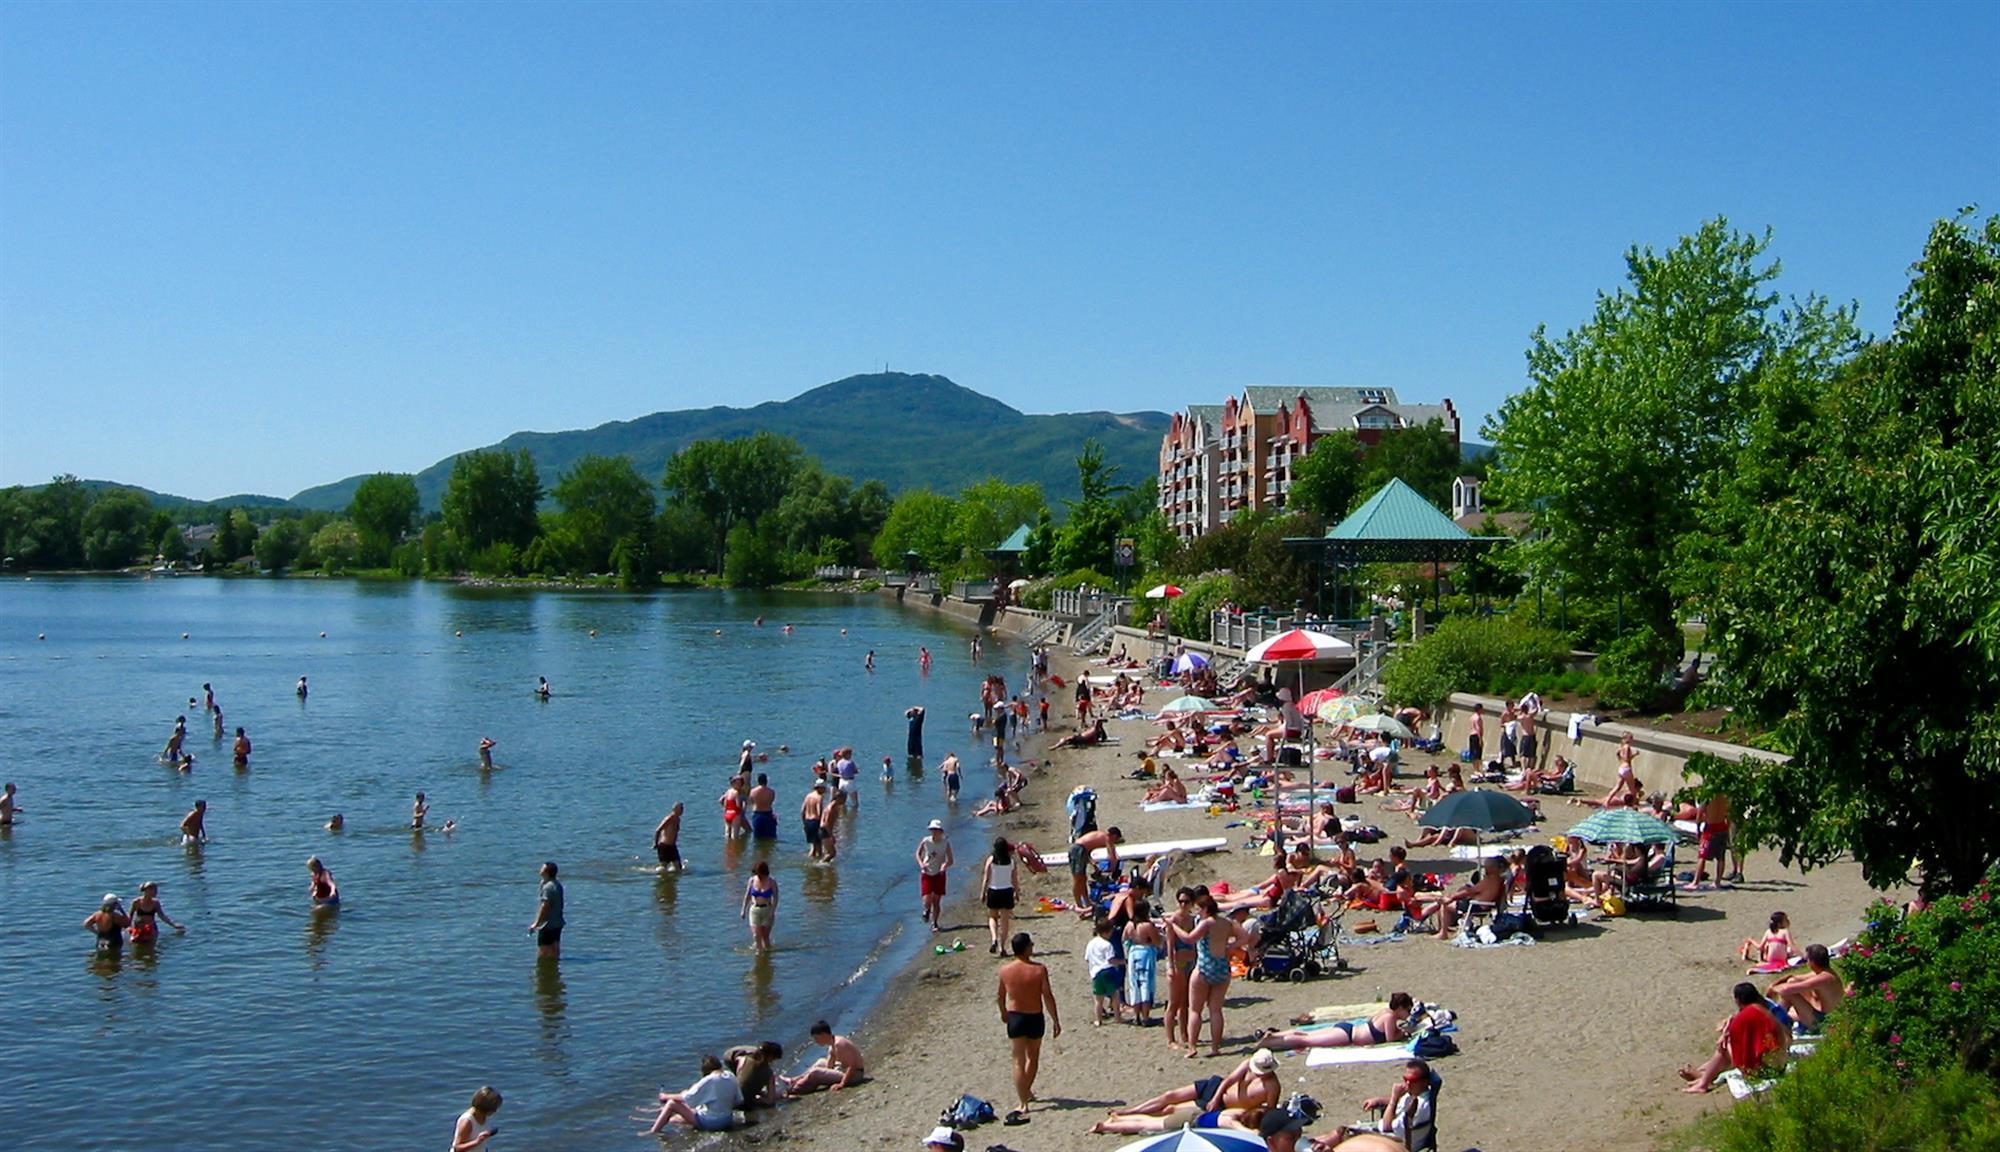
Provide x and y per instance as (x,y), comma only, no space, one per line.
(117,529)
(1328,480)
(1626,416)
(491,498)
(923,522)
(604,500)
(1859,614)
(383,510)
(733,482)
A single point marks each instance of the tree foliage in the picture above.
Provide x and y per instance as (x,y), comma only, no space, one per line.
(1628,416)
(731,482)
(604,501)
(117,529)
(492,498)
(383,510)
(1858,614)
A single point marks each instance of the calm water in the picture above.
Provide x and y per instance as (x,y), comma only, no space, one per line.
(267,1027)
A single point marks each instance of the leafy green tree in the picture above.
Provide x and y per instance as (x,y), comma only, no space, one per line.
(923,522)
(1328,480)
(49,532)
(171,545)
(337,547)
(733,481)
(681,538)
(115,529)
(1425,456)
(752,559)
(279,546)
(1040,557)
(1627,415)
(491,498)
(1859,616)
(989,511)
(382,510)
(1089,536)
(604,500)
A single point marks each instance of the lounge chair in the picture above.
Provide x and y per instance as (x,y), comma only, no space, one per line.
(1658,888)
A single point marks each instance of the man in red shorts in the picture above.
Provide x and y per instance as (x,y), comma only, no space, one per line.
(933,860)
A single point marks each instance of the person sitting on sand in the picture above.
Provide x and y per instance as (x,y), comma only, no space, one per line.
(1430,790)
(1407,1120)
(1774,947)
(1170,789)
(1808,996)
(1751,1040)
(841,1067)
(756,1068)
(1253,1083)
(1265,895)
(1381,1028)
(1488,886)
(1534,779)
(708,1105)
(1085,738)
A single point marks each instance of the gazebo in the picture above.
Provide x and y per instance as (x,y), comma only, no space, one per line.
(1006,556)
(1394,526)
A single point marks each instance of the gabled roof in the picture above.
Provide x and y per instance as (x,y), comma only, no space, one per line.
(1267,398)
(1018,542)
(1397,512)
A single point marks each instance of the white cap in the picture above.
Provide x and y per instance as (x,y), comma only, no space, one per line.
(749,743)
(937,825)
(943,1137)
(110,899)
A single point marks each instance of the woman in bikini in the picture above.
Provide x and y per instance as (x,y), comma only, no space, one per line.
(1775,947)
(1180,964)
(1212,936)
(1380,1028)
(146,912)
(760,905)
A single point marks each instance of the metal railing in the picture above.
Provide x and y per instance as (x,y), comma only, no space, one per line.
(1044,632)
(1365,678)
(1098,632)
(1246,630)
(973,589)
(1083,601)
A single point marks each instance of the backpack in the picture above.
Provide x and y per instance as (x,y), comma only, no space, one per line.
(1432,1045)
(966,1112)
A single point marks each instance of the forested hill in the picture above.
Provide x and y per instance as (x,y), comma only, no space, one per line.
(907,431)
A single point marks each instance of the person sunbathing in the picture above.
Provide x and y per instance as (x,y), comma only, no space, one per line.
(1265,895)
(1170,740)
(1534,779)
(1379,778)
(1170,790)
(1087,738)
(1371,892)
(1774,947)
(1751,1041)
(1253,1083)
(1002,803)
(1808,996)
(1432,837)
(1187,1116)
(1381,1028)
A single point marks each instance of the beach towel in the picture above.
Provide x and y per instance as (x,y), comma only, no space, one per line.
(1337,1013)
(1464,941)
(1364,1054)
(1741,1086)
(1350,941)
(1171,805)
(1779,965)
(1141,962)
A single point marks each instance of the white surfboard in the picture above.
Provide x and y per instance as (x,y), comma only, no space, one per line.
(1139,851)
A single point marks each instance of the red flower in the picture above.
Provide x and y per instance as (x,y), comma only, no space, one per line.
(1895,1038)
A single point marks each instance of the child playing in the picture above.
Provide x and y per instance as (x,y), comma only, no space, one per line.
(1107,971)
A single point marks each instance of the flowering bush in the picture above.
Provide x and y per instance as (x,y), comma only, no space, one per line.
(1927,986)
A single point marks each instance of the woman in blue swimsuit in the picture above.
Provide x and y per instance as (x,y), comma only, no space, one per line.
(1213,936)
(760,905)
(1380,1028)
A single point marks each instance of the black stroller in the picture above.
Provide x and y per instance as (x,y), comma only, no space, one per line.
(1296,940)
(1548,895)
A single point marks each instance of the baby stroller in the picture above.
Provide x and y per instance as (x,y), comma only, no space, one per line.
(1548,897)
(1299,939)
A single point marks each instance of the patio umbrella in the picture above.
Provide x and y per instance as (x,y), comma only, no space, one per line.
(1623,826)
(1311,702)
(1189,661)
(1341,709)
(1385,724)
(1298,645)
(1021,582)
(1193,704)
(1189,1140)
(1480,808)
(1162,592)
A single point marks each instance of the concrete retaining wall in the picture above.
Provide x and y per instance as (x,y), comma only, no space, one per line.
(1660,764)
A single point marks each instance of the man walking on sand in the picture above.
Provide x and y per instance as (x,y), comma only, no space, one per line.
(933,860)
(1024,996)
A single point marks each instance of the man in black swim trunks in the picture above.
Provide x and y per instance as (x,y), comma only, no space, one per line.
(548,924)
(667,840)
(1023,998)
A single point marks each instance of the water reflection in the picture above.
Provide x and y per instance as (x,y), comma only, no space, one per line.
(914,765)
(552,1003)
(320,923)
(757,982)
(820,883)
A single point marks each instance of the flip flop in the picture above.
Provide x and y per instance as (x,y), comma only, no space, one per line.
(1015,1118)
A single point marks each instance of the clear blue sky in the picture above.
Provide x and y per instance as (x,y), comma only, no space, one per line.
(255,247)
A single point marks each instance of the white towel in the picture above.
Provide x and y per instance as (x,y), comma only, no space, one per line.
(1360,1054)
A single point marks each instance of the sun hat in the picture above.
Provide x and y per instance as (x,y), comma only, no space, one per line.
(944,1137)
(1263,1061)
(937,825)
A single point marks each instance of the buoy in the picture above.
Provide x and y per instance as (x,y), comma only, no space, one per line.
(843,631)
(458,633)
(718,631)
(41,636)
(184,635)
(593,633)
(322,635)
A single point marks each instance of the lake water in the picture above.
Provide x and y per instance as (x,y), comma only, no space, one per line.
(268,1027)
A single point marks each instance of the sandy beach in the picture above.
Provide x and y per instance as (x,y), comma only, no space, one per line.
(1572,1042)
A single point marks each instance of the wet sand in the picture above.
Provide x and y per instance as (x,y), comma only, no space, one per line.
(1572,1042)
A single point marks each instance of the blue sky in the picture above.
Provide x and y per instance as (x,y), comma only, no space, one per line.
(255,247)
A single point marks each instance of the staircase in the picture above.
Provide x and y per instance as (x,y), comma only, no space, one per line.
(1044,632)
(1227,669)
(1365,678)
(1098,632)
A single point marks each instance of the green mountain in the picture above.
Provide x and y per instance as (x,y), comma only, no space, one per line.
(908,431)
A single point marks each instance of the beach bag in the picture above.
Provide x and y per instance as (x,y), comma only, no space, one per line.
(1508,923)
(1432,1045)
(967,1112)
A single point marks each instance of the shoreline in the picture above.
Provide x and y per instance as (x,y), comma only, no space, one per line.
(1608,1008)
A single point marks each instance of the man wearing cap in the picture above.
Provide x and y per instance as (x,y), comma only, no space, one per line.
(933,860)
(943,1138)
(108,924)
(1281,1129)
(1251,1084)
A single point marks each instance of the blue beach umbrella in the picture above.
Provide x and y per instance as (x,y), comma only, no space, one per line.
(1207,1140)
(1623,826)
(1189,661)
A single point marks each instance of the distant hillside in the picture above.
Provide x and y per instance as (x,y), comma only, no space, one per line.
(907,431)
(168,502)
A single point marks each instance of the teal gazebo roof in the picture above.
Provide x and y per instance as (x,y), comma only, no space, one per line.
(1396,512)
(1017,542)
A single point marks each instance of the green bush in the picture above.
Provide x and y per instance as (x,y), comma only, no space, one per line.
(1631,668)
(498,559)
(1927,986)
(1469,654)
(1198,599)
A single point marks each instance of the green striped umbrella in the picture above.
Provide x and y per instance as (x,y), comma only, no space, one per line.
(1624,826)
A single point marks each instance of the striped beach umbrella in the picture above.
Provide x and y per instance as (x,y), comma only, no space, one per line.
(1207,1140)
(1624,826)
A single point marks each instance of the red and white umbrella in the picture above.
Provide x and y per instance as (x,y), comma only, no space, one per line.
(1311,702)
(1162,592)
(1298,645)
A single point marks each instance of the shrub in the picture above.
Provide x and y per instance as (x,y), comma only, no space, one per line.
(1927,986)
(1469,654)
(1191,609)
(1630,668)
(498,559)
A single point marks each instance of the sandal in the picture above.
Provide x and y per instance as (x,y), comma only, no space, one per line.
(1015,1118)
